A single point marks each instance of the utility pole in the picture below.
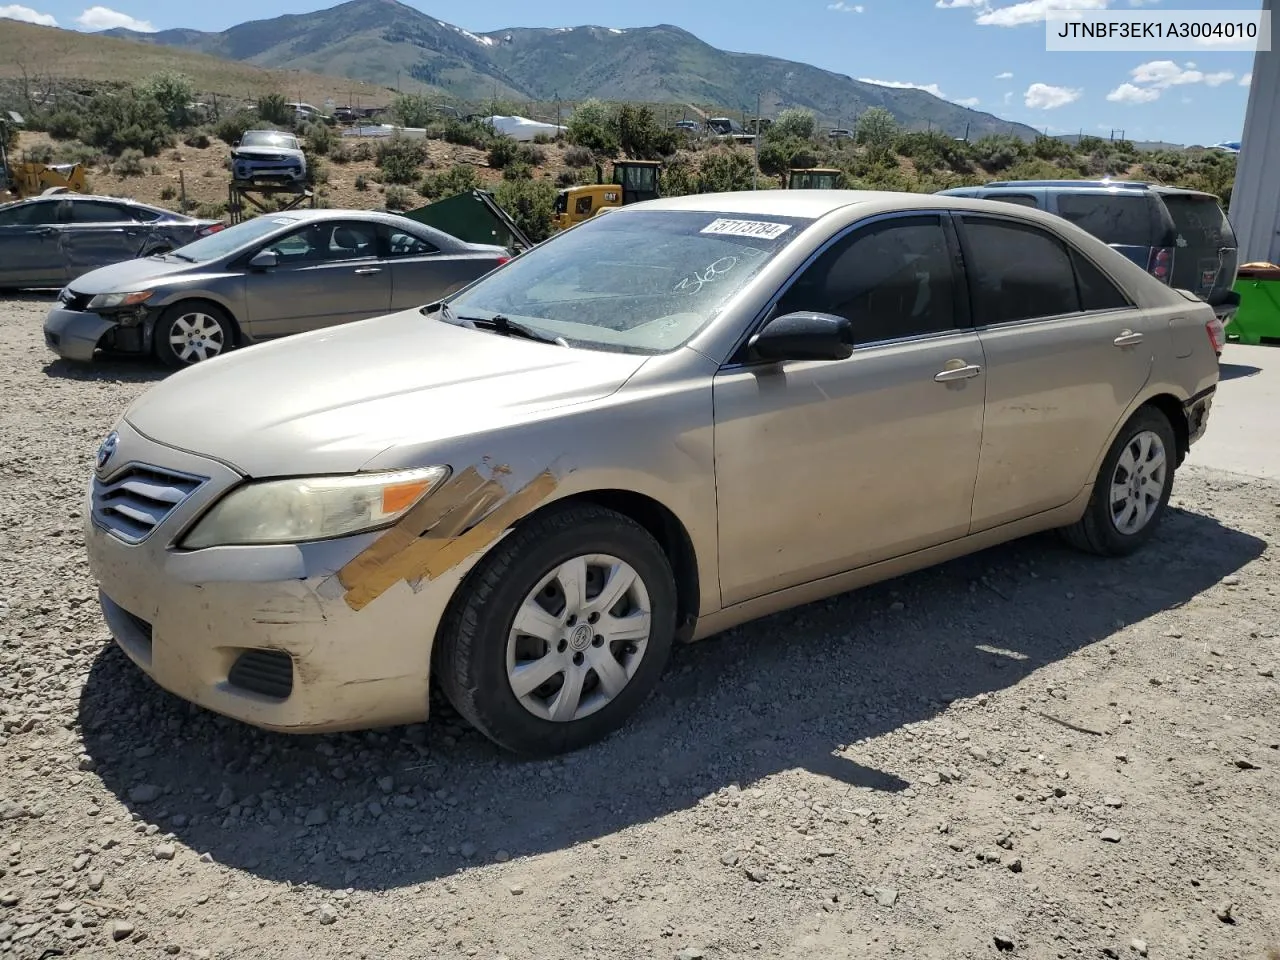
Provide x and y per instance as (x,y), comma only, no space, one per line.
(755,171)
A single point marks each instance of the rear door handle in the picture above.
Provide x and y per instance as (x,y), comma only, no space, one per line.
(367,271)
(1128,339)
(967,372)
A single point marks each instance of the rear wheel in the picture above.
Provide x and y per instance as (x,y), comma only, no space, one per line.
(190,332)
(560,633)
(1132,489)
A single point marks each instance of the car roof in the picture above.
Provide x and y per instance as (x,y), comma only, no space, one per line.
(1186,192)
(780,203)
(1092,185)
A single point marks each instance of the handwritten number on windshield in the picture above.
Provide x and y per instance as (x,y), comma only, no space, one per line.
(695,281)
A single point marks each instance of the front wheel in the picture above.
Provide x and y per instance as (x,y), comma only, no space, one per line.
(188,333)
(560,633)
(1132,489)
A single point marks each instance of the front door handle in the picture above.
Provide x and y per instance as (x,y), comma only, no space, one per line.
(1128,339)
(951,374)
(367,271)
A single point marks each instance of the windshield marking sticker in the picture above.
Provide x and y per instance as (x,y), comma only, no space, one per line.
(747,228)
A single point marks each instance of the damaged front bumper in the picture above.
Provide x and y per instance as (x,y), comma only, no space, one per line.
(262,634)
(77,334)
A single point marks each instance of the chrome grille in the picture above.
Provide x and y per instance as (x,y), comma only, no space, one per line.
(136,501)
(74,301)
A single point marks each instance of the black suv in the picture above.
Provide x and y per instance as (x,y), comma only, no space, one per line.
(1181,237)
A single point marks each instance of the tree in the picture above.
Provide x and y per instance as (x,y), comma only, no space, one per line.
(273,108)
(531,203)
(592,127)
(639,134)
(779,156)
(127,120)
(725,170)
(877,129)
(174,92)
(792,124)
(414,110)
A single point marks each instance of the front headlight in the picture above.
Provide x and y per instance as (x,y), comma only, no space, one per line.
(110,301)
(312,508)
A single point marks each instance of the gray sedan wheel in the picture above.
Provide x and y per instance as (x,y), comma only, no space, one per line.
(190,332)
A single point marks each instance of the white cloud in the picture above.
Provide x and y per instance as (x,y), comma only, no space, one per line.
(1044,96)
(1130,93)
(104,18)
(1004,76)
(1246,80)
(951,4)
(903,85)
(1008,97)
(841,7)
(27,15)
(1033,11)
(969,102)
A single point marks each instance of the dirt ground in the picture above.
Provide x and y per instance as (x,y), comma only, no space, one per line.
(1027,752)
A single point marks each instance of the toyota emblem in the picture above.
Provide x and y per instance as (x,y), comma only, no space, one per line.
(107,450)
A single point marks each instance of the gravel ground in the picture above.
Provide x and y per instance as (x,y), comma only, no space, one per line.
(1027,752)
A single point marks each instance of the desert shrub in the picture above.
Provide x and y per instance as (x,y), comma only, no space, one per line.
(458,179)
(197,140)
(64,124)
(502,151)
(877,128)
(679,178)
(173,91)
(467,133)
(1051,148)
(317,170)
(340,153)
(566,179)
(578,157)
(637,132)
(362,151)
(76,152)
(231,127)
(793,124)
(531,203)
(361,184)
(126,121)
(1036,169)
(168,192)
(543,138)
(212,211)
(726,169)
(592,127)
(40,153)
(996,153)
(398,198)
(517,171)
(319,138)
(274,108)
(130,164)
(1091,144)
(779,156)
(399,159)
(413,110)
(532,155)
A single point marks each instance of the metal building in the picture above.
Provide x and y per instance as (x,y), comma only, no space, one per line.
(1255,201)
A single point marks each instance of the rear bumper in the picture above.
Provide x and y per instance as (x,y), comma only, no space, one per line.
(74,334)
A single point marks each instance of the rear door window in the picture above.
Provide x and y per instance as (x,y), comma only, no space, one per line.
(1017,272)
(94,211)
(1125,221)
(1200,222)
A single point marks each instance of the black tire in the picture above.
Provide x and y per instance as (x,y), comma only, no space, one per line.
(165,325)
(471,648)
(1096,532)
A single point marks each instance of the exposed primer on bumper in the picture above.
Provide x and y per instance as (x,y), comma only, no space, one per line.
(469,512)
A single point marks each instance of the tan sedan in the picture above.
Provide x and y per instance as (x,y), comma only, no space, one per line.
(655,426)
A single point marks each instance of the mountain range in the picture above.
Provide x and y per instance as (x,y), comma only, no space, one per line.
(392,44)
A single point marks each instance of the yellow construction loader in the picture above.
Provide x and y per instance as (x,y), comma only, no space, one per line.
(30,179)
(633,181)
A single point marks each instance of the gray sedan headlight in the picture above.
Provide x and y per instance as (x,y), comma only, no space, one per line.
(312,508)
(111,301)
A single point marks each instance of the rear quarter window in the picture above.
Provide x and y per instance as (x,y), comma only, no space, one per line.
(1200,221)
(1127,221)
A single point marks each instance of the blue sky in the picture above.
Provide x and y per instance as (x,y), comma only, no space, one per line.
(983,53)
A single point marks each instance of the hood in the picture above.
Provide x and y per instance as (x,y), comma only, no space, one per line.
(251,152)
(331,400)
(129,275)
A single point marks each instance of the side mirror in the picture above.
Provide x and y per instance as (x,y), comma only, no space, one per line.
(804,336)
(235,143)
(264,260)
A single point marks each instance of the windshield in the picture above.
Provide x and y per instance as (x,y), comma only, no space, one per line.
(642,282)
(218,245)
(269,138)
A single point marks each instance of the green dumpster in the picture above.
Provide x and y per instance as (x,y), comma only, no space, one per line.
(474,217)
(1258,318)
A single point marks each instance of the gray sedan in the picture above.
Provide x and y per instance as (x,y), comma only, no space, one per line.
(269,277)
(46,241)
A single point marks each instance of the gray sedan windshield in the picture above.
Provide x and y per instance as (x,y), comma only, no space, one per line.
(635,282)
(218,245)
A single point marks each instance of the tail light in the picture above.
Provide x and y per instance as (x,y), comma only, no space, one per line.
(1161,264)
(1217,334)
(212,229)
(502,260)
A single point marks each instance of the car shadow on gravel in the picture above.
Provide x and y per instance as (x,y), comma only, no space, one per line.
(390,808)
(115,368)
